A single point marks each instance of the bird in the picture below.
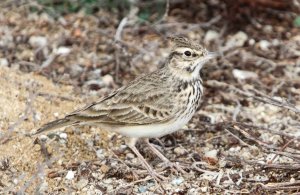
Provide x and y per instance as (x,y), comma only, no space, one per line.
(152,105)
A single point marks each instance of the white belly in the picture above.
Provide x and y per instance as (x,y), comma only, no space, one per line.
(151,130)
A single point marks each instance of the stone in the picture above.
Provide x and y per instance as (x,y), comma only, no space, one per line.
(3,62)
(244,74)
(264,45)
(38,41)
(210,36)
(70,175)
(237,40)
(108,80)
(179,151)
(211,156)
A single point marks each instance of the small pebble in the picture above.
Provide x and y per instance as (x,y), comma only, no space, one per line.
(56,114)
(104,169)
(292,180)
(211,35)
(63,135)
(147,58)
(3,62)
(100,155)
(143,189)
(179,151)
(268,29)
(244,74)
(123,147)
(177,181)
(70,175)
(108,80)
(15,181)
(37,116)
(237,40)
(204,189)
(251,42)
(275,42)
(261,178)
(130,156)
(211,156)
(38,41)
(43,137)
(63,51)
(107,181)
(264,45)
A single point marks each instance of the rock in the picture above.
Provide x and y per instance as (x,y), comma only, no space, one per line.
(268,29)
(177,181)
(292,180)
(275,42)
(38,41)
(70,175)
(104,169)
(211,35)
(3,62)
(108,80)
(143,189)
(237,40)
(244,74)
(251,42)
(63,135)
(63,51)
(211,156)
(264,45)
(179,151)
(147,58)
(130,156)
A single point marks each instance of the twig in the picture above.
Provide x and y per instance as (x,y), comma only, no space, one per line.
(118,35)
(255,94)
(283,186)
(48,61)
(236,137)
(283,147)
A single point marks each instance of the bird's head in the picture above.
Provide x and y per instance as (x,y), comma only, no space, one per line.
(187,58)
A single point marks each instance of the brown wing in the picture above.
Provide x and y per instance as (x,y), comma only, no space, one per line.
(145,100)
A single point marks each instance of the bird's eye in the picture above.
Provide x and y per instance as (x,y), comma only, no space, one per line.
(187,53)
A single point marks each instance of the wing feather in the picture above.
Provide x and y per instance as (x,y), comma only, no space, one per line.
(143,101)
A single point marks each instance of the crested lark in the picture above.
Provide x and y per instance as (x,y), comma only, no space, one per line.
(152,105)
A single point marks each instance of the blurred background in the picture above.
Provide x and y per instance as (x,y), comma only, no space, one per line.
(57,55)
(82,42)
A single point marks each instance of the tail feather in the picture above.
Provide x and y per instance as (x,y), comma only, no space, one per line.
(55,125)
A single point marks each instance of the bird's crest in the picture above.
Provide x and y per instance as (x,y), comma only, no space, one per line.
(180,41)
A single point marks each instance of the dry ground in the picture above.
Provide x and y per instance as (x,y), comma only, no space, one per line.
(243,139)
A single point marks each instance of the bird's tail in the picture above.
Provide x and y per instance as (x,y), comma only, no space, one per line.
(64,122)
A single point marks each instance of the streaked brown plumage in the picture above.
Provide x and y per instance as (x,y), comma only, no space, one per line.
(152,105)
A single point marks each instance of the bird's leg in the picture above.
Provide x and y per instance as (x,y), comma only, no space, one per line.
(173,166)
(131,144)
